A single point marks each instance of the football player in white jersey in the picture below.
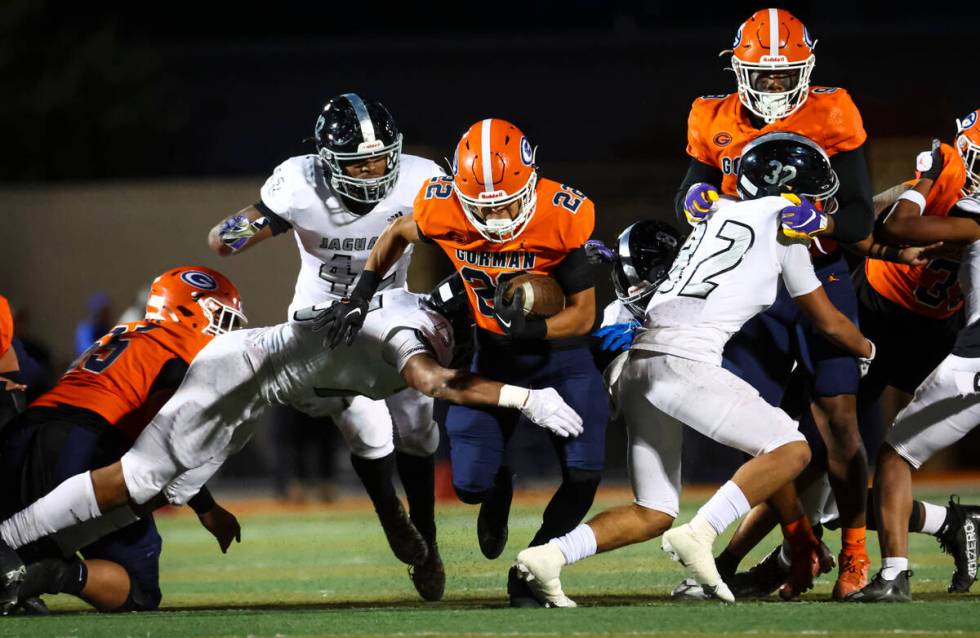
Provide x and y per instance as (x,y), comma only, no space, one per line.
(407,339)
(727,271)
(945,408)
(337,203)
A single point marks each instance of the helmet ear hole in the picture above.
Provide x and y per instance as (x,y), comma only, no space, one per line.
(185,311)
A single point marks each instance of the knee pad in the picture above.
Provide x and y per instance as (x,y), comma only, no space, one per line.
(419,442)
(470,498)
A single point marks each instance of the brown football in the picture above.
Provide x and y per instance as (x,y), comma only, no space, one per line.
(543,297)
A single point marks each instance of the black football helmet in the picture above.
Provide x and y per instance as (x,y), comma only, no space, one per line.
(644,254)
(351,129)
(780,162)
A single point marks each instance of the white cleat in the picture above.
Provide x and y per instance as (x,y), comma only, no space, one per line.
(540,568)
(684,546)
(689,589)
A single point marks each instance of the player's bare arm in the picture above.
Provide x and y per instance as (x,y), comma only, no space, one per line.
(391,244)
(544,407)
(576,318)
(833,324)
(238,232)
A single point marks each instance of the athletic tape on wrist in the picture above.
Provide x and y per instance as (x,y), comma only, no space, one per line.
(916,198)
(512,396)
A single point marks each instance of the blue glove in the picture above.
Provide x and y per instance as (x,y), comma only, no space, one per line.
(802,220)
(616,337)
(598,253)
(699,202)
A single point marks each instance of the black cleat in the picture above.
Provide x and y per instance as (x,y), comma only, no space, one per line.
(405,541)
(31,606)
(12,572)
(958,538)
(429,577)
(491,525)
(762,579)
(519,593)
(880,590)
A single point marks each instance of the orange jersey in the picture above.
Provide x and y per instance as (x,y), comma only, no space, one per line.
(6,326)
(563,220)
(931,290)
(114,378)
(718,128)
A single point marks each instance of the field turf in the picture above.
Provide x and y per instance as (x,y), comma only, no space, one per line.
(328,571)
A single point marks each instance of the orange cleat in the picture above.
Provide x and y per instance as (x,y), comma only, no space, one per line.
(853,574)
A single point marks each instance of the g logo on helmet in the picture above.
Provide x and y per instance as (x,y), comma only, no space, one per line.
(456,161)
(738,36)
(806,38)
(527,153)
(967,122)
(199,280)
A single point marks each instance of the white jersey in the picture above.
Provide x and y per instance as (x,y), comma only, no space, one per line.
(726,272)
(334,243)
(969,277)
(616,312)
(297,369)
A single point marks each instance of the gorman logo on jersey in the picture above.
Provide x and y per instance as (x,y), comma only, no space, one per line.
(199,280)
(511,260)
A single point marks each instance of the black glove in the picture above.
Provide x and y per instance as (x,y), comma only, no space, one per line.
(344,318)
(930,163)
(511,318)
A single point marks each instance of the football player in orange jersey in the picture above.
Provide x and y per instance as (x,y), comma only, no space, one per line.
(772,57)
(91,417)
(897,300)
(495,218)
(11,390)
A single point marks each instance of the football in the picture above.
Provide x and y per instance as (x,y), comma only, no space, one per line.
(543,297)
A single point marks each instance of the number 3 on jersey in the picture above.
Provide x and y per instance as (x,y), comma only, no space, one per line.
(100,356)
(699,283)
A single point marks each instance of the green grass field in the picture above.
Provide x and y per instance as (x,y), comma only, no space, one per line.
(329,572)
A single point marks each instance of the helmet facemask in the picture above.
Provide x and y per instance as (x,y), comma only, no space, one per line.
(497,230)
(221,317)
(367,190)
(772,105)
(970,153)
(644,256)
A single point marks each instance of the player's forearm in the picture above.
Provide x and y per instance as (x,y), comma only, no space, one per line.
(922,231)
(391,245)
(239,232)
(576,319)
(456,386)
(842,332)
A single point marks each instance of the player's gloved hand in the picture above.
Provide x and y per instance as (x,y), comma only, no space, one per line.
(236,230)
(546,408)
(864,363)
(699,202)
(598,253)
(344,318)
(616,337)
(223,526)
(929,164)
(511,318)
(801,220)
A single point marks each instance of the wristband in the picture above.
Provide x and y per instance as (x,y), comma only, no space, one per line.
(916,198)
(512,396)
(202,502)
(366,285)
(534,330)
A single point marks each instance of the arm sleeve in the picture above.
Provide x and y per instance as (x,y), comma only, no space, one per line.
(402,344)
(277,224)
(697,171)
(574,273)
(797,270)
(854,218)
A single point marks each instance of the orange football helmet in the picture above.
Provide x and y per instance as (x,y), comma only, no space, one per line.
(197,296)
(968,146)
(493,167)
(772,40)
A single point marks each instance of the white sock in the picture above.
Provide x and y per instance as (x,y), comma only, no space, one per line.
(891,566)
(72,502)
(933,520)
(724,508)
(703,528)
(577,544)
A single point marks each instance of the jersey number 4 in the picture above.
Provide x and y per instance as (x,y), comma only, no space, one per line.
(102,355)
(700,282)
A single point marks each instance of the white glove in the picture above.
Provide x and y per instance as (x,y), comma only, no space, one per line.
(547,409)
(864,363)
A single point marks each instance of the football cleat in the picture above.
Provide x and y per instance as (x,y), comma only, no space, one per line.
(405,541)
(519,593)
(689,589)
(958,538)
(31,606)
(491,524)
(807,563)
(853,574)
(12,572)
(880,590)
(762,579)
(429,577)
(540,567)
(684,546)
